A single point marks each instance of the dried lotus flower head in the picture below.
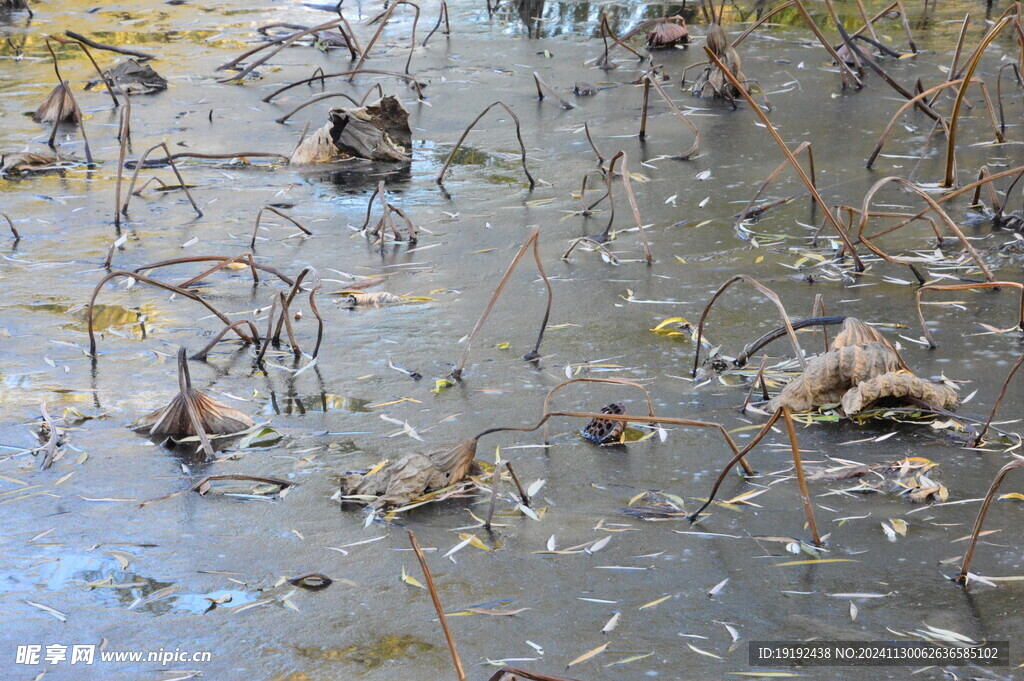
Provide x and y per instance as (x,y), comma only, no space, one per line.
(59,106)
(606,431)
(668,34)
(192,413)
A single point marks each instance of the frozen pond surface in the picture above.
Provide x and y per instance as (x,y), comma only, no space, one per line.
(75,538)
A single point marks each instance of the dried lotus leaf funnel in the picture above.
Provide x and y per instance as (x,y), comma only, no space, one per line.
(668,34)
(192,413)
(59,106)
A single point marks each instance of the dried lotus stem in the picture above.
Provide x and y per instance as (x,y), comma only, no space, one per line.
(767,292)
(625,418)
(789,156)
(437,606)
(170,159)
(531,240)
(383,19)
(417,85)
(275,211)
(961,287)
(542,86)
(979,522)
(519,136)
(999,401)
(748,209)
(159,284)
(799,467)
(441,14)
(14,230)
(204,353)
(934,206)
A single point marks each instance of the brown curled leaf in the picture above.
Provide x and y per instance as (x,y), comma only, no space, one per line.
(829,375)
(897,384)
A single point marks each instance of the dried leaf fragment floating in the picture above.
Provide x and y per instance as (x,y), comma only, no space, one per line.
(399,482)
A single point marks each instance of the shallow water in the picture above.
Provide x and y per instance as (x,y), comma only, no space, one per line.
(83,545)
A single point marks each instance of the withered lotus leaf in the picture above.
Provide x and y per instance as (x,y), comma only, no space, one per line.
(173,420)
(829,375)
(898,384)
(133,78)
(712,82)
(413,475)
(376,132)
(667,34)
(59,106)
(27,162)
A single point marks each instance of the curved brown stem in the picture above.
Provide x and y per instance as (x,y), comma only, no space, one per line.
(142,56)
(625,418)
(170,159)
(695,147)
(212,258)
(972,65)
(308,270)
(534,236)
(323,76)
(765,429)
(281,43)
(383,18)
(779,332)
(519,136)
(963,287)
(768,293)
(979,522)
(10,223)
(152,282)
(275,211)
(106,81)
(843,66)
(999,89)
(999,401)
(753,27)
(789,155)
(442,13)
(934,206)
(542,86)
(799,467)
(437,606)
(244,257)
(204,353)
(775,173)
(314,100)
(240,154)
(631,198)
